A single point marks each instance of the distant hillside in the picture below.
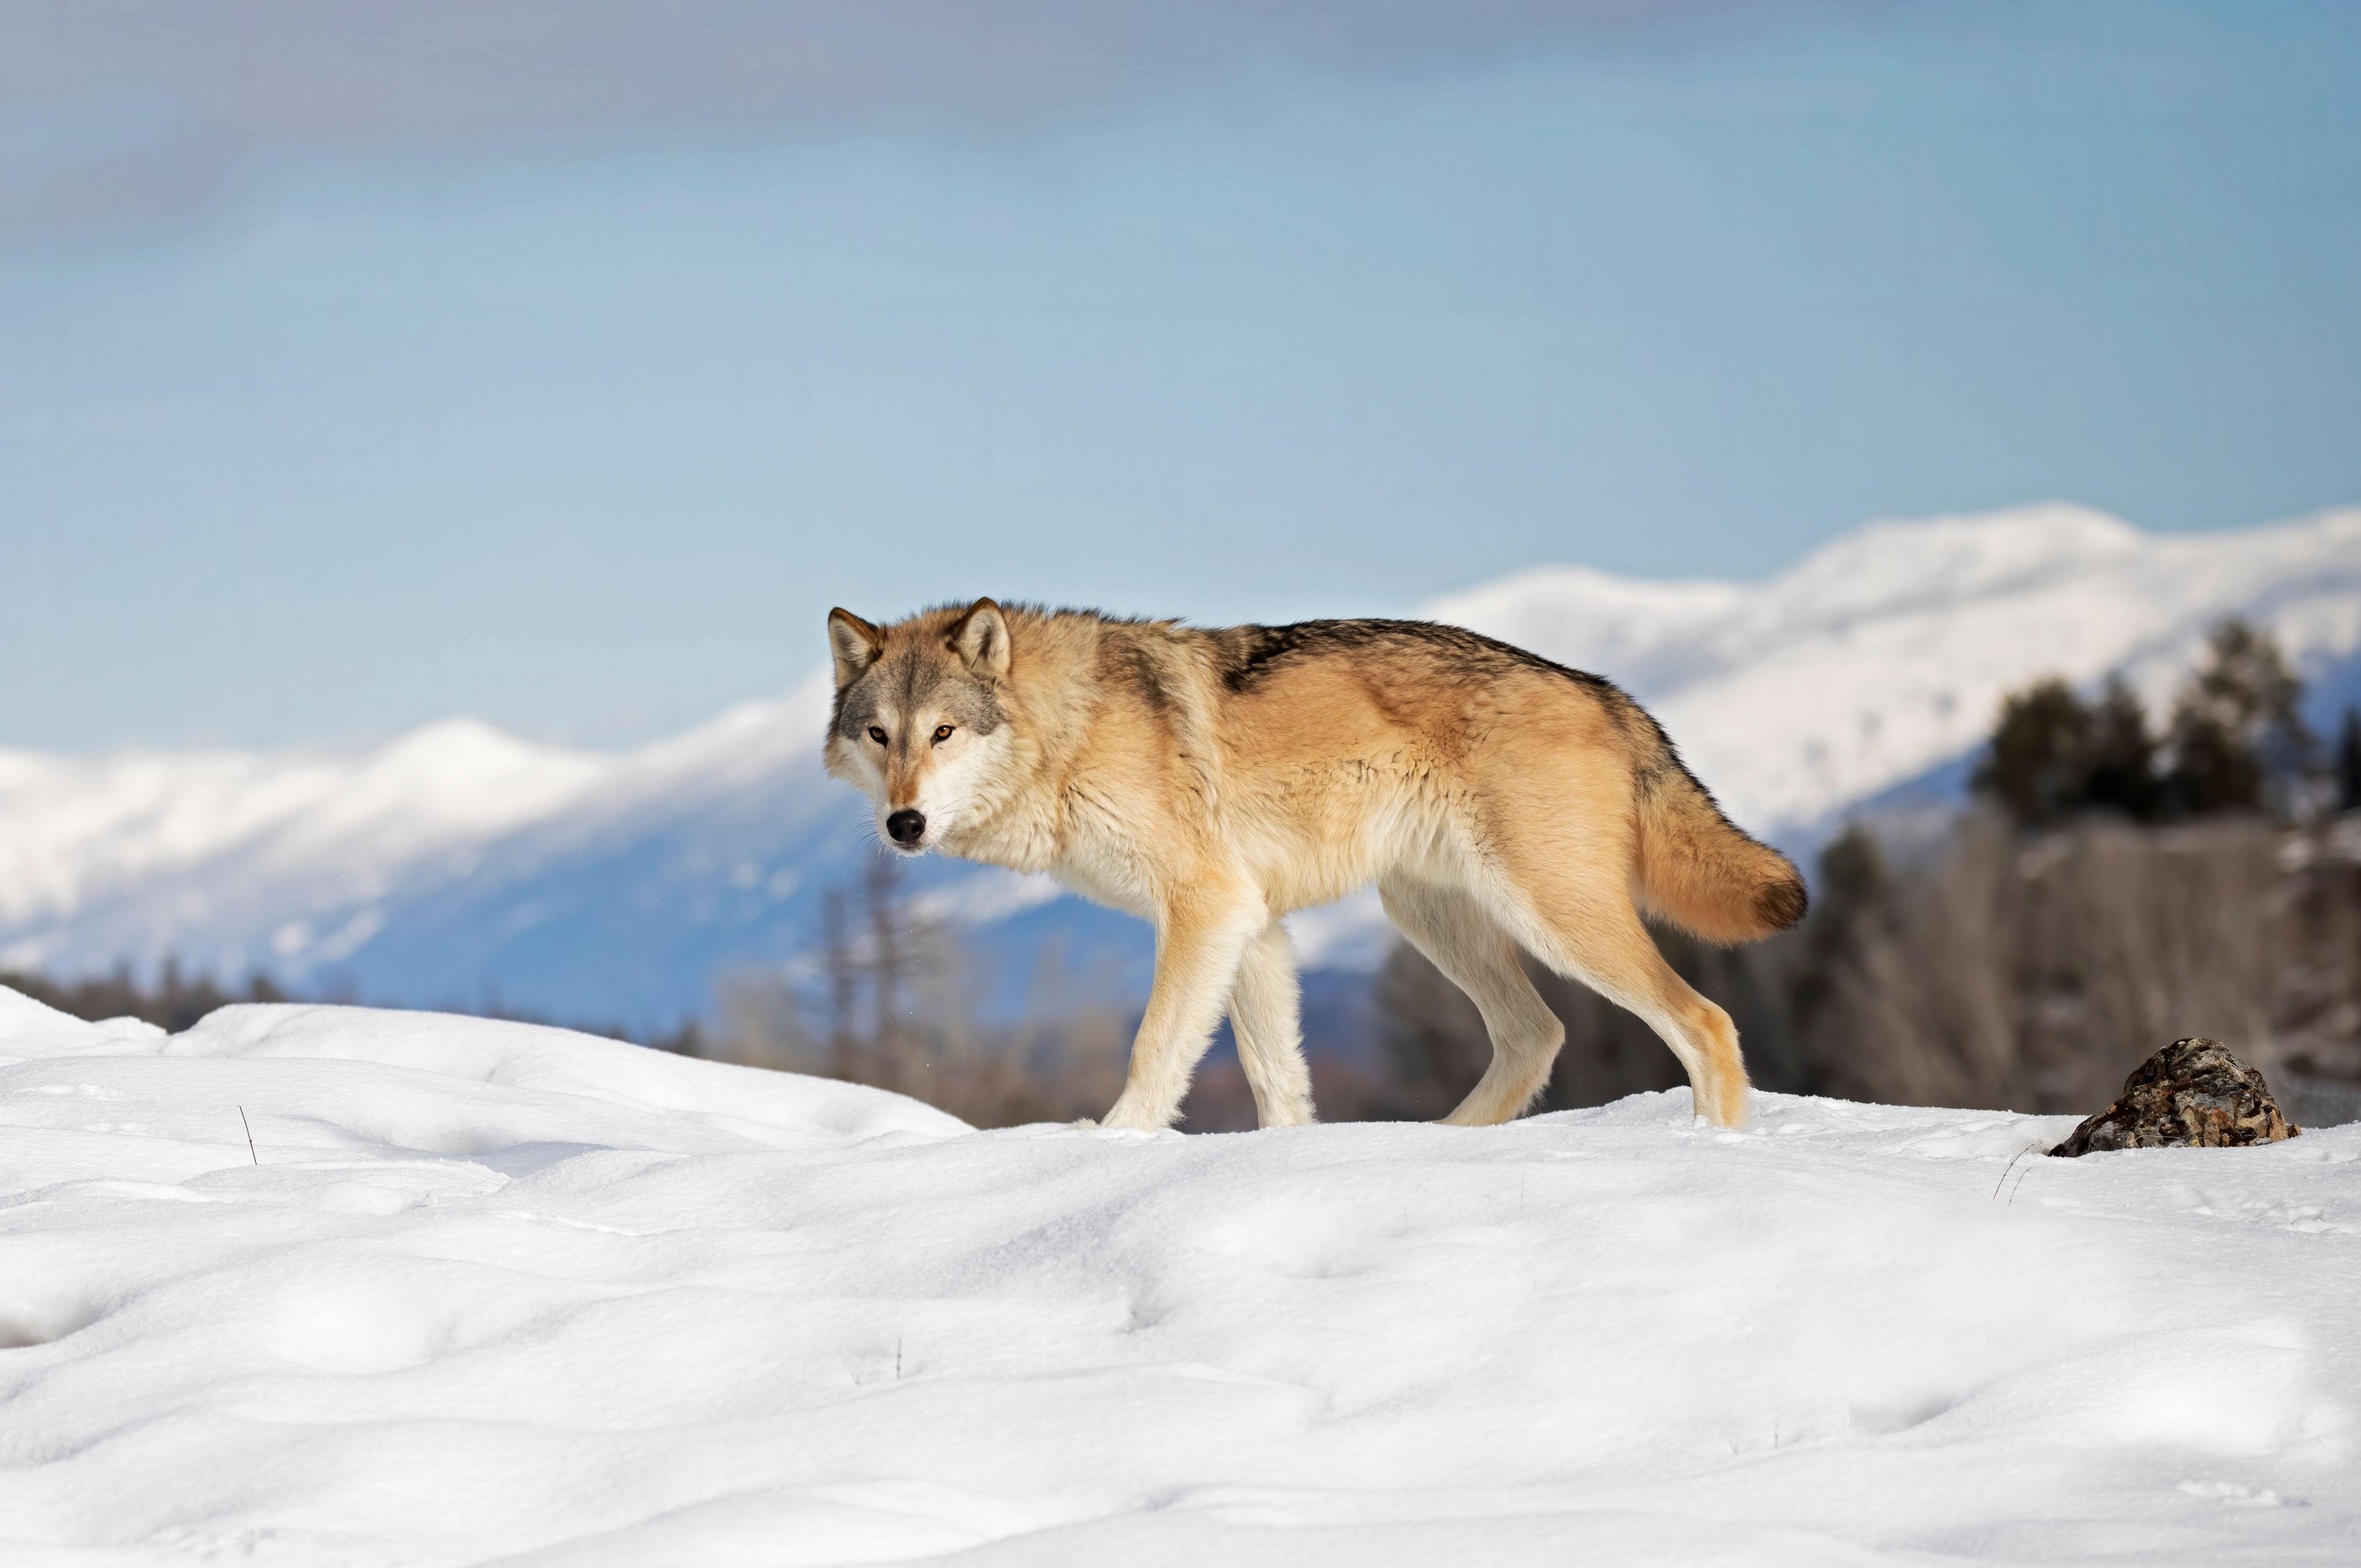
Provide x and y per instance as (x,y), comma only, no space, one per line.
(459,866)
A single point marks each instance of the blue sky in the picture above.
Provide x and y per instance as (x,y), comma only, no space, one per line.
(319,426)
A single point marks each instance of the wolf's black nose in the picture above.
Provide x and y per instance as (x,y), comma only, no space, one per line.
(906,826)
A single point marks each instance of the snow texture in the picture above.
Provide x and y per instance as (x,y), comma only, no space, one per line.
(492,1293)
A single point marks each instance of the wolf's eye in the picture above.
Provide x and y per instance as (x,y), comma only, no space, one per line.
(877,735)
(943,733)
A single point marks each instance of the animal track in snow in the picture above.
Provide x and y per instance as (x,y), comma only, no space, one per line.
(35,1318)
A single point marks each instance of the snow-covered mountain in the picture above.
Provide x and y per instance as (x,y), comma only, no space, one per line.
(460,866)
(1880,658)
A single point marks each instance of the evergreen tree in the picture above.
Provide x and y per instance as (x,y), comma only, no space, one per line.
(2214,770)
(1854,882)
(2348,761)
(2037,763)
(2237,723)
(2120,773)
(1853,873)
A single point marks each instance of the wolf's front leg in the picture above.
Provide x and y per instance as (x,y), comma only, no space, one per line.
(1200,938)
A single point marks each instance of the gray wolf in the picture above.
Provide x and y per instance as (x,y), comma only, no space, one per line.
(1214,780)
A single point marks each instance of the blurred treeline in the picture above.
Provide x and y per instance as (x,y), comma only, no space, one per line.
(2114,885)
(2111,888)
(177,1000)
(1997,968)
(174,1000)
(888,1000)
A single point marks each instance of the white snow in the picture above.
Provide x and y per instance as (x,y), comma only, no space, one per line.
(497,1293)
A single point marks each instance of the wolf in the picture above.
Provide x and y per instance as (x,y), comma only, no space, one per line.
(1214,780)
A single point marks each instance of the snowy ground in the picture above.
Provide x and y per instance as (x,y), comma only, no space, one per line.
(496,1293)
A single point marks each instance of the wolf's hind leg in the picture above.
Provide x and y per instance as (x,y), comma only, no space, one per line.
(1265,1014)
(1199,939)
(1475,953)
(1593,934)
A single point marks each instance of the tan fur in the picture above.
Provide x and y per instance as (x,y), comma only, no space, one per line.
(1214,781)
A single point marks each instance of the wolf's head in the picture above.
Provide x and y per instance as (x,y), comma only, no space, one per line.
(920,725)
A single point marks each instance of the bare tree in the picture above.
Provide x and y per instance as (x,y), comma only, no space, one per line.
(895,988)
(2033,974)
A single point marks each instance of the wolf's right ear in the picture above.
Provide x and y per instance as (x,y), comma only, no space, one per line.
(855,643)
(980,640)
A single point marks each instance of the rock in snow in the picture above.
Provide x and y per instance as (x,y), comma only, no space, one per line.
(2192,1094)
(493,1293)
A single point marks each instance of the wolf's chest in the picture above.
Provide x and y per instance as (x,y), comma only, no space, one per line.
(1106,876)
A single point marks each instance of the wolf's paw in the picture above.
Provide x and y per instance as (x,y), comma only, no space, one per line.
(1123,1118)
(1128,1115)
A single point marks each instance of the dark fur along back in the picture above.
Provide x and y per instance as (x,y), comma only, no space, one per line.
(1249,653)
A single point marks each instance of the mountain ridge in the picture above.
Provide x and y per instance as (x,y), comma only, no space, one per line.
(458,865)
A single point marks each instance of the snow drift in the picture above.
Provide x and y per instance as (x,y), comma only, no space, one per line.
(491,1293)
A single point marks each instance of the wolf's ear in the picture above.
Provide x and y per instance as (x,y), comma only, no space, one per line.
(855,643)
(981,639)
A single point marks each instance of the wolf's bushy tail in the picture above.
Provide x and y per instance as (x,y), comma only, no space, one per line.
(1700,871)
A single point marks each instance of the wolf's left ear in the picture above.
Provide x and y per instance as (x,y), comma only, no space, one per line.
(855,643)
(981,638)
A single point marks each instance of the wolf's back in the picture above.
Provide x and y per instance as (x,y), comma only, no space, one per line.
(1700,870)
